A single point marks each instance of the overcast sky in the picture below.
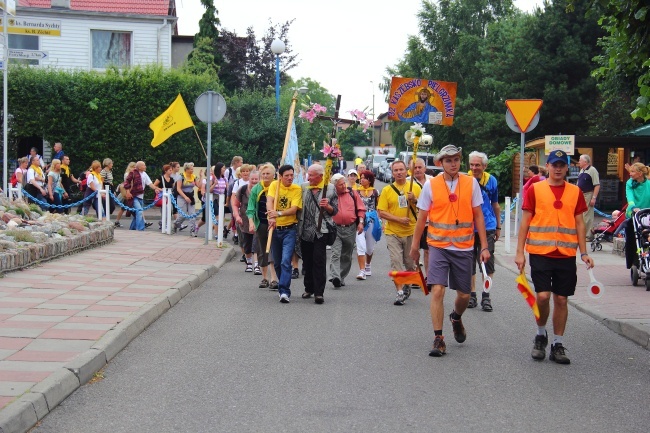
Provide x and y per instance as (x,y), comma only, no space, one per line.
(343,44)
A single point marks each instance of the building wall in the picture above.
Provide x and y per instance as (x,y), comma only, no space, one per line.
(151,41)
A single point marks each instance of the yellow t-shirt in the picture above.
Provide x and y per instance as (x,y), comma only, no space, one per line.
(389,202)
(288,197)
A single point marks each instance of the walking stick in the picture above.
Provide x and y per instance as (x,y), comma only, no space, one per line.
(294,99)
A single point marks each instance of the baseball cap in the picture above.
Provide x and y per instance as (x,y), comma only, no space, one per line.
(353,171)
(557,155)
(448,150)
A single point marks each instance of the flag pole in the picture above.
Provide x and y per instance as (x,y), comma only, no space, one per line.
(200,142)
(287,136)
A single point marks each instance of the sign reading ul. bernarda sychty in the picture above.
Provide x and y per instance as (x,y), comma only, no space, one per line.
(33,26)
(422,101)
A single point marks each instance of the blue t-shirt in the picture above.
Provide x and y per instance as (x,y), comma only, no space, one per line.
(490,193)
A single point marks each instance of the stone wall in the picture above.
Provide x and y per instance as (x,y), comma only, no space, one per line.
(30,254)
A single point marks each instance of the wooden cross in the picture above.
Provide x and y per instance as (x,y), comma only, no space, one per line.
(328,168)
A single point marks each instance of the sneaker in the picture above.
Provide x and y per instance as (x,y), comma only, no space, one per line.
(249,268)
(557,354)
(486,304)
(361,276)
(336,282)
(194,233)
(243,258)
(399,300)
(264,284)
(225,233)
(439,346)
(407,291)
(459,329)
(118,224)
(539,347)
(368,271)
(295,274)
(235,240)
(257,271)
(183,227)
(472,302)
(147,225)
(284,298)
(273,286)
(328,247)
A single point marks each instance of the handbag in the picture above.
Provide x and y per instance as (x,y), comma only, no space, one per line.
(330,236)
(158,199)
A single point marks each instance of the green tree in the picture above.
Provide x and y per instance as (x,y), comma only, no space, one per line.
(625,57)
(202,60)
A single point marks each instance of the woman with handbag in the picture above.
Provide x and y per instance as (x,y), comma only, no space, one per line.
(94,182)
(372,228)
(35,181)
(165,181)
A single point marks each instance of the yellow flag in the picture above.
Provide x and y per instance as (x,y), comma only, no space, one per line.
(174,119)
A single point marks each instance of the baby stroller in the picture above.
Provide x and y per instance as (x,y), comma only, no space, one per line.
(641,223)
(604,232)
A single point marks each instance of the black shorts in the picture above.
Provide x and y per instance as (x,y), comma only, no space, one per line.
(423,240)
(558,276)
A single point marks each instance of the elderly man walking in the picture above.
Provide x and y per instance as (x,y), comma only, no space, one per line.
(349,221)
(589,184)
(134,186)
(478,162)
(313,241)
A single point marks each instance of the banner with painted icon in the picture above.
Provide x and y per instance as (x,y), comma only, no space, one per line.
(422,101)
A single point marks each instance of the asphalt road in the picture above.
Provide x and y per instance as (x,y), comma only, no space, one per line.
(230,357)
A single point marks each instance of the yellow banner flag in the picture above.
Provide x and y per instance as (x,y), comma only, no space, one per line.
(174,119)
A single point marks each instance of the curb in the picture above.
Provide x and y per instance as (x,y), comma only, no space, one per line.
(634,330)
(22,414)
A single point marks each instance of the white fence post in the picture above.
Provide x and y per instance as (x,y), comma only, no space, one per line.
(222,202)
(208,215)
(517,214)
(167,206)
(100,210)
(506,222)
(108,204)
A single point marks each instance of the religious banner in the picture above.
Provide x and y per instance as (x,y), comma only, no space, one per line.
(422,101)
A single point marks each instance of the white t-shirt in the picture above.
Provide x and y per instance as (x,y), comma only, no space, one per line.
(426,200)
(92,180)
(31,175)
(146,181)
(238,184)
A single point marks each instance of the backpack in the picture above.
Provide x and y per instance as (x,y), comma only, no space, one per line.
(84,181)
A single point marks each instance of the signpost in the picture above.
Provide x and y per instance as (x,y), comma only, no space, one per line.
(522,116)
(210,107)
(33,26)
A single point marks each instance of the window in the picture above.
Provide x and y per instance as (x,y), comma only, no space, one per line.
(24,42)
(386,125)
(110,49)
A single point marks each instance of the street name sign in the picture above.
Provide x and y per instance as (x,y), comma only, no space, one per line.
(33,26)
(27,54)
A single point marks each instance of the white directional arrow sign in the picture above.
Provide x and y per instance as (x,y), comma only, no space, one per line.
(27,54)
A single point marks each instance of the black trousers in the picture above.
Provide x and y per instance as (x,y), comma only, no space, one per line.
(314,259)
(631,257)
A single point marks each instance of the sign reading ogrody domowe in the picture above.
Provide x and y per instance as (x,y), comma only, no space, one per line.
(422,101)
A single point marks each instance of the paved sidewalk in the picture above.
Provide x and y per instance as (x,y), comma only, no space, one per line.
(62,321)
(623,308)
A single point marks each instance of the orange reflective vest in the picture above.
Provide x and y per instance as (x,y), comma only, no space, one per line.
(552,228)
(451,223)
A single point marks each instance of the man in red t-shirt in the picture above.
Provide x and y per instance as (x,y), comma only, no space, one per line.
(552,229)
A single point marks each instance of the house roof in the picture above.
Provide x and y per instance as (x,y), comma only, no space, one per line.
(139,7)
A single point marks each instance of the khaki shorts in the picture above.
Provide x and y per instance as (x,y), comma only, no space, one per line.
(398,249)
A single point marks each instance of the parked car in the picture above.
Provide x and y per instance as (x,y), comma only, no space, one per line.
(384,172)
(373,165)
(429,158)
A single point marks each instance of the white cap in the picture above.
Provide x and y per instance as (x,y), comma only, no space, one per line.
(353,171)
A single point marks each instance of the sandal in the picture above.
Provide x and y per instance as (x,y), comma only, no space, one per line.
(257,270)
(264,284)
(249,268)
(274,285)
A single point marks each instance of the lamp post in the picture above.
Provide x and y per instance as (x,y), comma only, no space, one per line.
(277,46)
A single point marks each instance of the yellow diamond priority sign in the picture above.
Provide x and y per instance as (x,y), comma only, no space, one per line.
(523,111)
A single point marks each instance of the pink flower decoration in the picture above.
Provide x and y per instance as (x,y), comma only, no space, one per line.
(358,114)
(319,108)
(308,115)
